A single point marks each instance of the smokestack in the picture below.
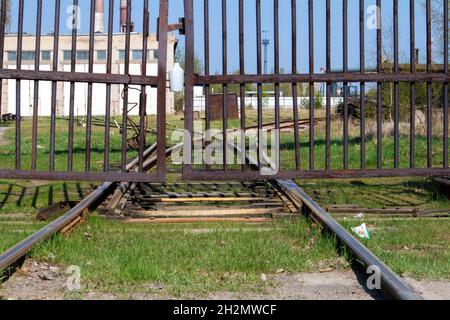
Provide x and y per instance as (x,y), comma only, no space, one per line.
(99,16)
(123,17)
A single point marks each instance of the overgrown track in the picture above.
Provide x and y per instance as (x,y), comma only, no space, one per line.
(392,284)
(203,202)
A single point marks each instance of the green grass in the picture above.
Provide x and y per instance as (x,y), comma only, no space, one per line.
(287,147)
(378,193)
(14,232)
(229,257)
(416,247)
(412,247)
(28,197)
(119,258)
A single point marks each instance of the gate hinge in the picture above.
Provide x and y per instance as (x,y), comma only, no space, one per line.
(180,26)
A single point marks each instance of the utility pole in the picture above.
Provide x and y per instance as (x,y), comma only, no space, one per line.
(266,43)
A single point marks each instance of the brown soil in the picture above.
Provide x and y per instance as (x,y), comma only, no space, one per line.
(41,281)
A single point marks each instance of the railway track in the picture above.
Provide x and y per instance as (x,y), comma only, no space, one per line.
(263,201)
(203,202)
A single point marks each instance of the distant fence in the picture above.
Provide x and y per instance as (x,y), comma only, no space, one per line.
(270,102)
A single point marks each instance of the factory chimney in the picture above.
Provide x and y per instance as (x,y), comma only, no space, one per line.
(99,16)
(123,16)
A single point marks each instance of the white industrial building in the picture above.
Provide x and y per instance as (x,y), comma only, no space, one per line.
(64,64)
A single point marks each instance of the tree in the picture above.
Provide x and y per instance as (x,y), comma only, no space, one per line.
(179,58)
(198,68)
(437,22)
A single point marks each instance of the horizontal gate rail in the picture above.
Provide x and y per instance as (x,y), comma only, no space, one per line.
(80,163)
(313,152)
(81,77)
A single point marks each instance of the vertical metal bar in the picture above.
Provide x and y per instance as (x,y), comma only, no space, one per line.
(108,87)
(162,83)
(87,164)
(362,65)
(73,54)
(294,85)
(125,90)
(429,92)
(379,90)
(54,85)
(328,93)
(259,72)
(207,86)
(412,99)
(396,87)
(18,84)
(143,100)
(242,86)
(37,60)
(225,86)
(445,107)
(311,86)
(345,69)
(277,71)
(2,46)
(189,87)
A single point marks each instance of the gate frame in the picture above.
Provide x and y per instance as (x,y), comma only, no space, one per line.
(311,78)
(160,82)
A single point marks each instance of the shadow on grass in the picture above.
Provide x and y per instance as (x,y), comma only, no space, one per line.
(38,196)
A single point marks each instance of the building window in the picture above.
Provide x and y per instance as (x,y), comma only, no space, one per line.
(137,55)
(45,55)
(155,54)
(12,55)
(83,55)
(28,55)
(67,55)
(121,55)
(101,55)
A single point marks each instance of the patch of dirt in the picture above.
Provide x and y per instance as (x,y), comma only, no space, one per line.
(42,281)
(333,285)
(431,290)
(35,281)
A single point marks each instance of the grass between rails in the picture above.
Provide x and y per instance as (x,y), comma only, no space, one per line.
(187,259)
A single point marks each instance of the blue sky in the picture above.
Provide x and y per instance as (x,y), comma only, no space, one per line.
(176,10)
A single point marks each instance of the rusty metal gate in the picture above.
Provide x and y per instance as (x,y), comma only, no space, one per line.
(350,139)
(47,164)
(315,154)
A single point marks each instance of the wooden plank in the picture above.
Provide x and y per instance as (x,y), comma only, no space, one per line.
(205,199)
(197,220)
(207,212)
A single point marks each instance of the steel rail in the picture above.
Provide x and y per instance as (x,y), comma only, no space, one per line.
(13,254)
(391,282)
(92,201)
